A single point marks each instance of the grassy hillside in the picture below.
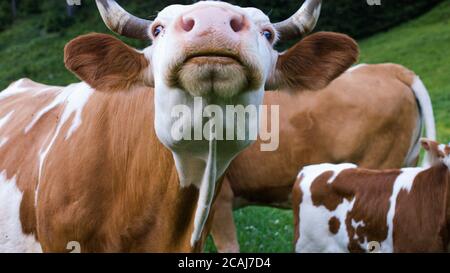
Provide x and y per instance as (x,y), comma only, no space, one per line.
(421,45)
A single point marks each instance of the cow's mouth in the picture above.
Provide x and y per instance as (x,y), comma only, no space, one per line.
(223,73)
(213,58)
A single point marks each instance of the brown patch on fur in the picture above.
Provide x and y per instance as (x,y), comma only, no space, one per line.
(371,192)
(105,63)
(297,198)
(421,222)
(225,239)
(321,192)
(334,225)
(27,213)
(314,62)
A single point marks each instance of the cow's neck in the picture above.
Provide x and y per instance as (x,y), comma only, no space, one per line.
(199,157)
(148,196)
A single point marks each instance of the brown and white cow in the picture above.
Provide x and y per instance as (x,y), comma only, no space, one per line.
(96,162)
(342,208)
(368,116)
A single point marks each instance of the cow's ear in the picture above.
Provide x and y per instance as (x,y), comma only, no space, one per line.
(427,144)
(433,153)
(106,63)
(314,62)
(431,146)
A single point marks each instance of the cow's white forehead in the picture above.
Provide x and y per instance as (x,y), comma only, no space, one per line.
(256,15)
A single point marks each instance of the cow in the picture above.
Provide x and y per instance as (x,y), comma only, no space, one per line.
(96,164)
(343,208)
(372,115)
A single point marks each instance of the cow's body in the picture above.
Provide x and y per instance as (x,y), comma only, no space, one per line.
(101,189)
(342,208)
(368,116)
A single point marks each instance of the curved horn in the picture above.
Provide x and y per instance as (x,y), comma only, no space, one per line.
(301,23)
(121,22)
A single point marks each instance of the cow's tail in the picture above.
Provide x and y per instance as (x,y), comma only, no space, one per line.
(426,120)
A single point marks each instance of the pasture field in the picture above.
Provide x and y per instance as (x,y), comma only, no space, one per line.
(423,45)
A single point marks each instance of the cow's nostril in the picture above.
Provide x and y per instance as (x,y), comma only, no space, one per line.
(237,24)
(187,24)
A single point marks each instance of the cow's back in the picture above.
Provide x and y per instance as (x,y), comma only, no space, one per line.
(367,116)
(26,121)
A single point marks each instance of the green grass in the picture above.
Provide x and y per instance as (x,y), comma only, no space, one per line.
(421,45)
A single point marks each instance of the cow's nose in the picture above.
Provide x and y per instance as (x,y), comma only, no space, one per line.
(203,21)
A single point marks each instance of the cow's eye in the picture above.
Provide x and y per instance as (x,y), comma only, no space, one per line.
(157,30)
(268,34)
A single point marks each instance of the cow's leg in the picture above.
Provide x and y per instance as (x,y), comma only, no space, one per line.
(223,228)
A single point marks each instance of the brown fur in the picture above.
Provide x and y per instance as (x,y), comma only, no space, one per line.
(106,195)
(297,198)
(321,192)
(421,219)
(372,192)
(315,61)
(334,225)
(105,62)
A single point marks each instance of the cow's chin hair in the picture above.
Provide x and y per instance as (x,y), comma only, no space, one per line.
(225,81)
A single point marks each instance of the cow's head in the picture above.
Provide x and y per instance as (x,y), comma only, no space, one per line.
(221,53)
(436,153)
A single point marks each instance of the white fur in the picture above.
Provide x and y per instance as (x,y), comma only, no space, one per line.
(446,159)
(206,195)
(12,238)
(23,86)
(403,182)
(3,121)
(14,89)
(314,228)
(355,67)
(74,97)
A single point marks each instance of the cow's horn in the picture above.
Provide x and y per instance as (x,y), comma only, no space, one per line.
(301,23)
(122,22)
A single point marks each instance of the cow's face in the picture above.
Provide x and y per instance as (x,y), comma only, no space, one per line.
(212,48)
(436,152)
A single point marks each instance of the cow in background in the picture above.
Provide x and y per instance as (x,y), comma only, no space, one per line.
(342,208)
(372,115)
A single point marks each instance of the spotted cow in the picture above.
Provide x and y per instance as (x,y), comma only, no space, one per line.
(343,208)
